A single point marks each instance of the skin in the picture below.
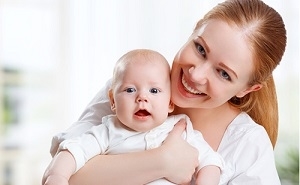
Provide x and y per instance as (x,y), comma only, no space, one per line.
(140,98)
(154,164)
(204,71)
(205,76)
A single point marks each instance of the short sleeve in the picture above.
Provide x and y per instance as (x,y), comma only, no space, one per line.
(91,143)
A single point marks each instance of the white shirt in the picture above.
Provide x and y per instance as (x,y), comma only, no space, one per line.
(112,137)
(245,146)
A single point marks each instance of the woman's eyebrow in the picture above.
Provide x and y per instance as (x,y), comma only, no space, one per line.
(204,44)
(228,68)
(221,64)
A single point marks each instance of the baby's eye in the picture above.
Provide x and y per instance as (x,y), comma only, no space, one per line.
(224,75)
(200,49)
(130,90)
(154,90)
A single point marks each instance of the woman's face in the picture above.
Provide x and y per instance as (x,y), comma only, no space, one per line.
(212,67)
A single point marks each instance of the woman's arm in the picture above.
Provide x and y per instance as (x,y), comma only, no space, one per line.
(175,160)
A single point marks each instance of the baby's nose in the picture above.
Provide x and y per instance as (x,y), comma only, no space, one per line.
(142,98)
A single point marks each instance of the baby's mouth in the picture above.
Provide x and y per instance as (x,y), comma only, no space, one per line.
(142,113)
(189,88)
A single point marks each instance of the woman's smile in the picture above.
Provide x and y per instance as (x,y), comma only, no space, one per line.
(189,88)
(186,87)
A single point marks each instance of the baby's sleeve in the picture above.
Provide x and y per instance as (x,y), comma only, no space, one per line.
(207,156)
(93,142)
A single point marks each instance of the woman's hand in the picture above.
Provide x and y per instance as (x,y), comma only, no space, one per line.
(180,158)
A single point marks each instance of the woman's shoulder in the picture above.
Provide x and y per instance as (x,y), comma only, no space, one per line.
(244,144)
(243,132)
(243,124)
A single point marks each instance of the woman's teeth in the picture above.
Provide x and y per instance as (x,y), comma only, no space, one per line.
(189,88)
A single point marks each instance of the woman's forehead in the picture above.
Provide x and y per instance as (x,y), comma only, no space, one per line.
(226,44)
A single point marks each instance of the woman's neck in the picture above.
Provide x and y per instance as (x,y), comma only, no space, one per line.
(212,123)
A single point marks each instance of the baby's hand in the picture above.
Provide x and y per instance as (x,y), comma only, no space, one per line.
(60,169)
(56,180)
(208,175)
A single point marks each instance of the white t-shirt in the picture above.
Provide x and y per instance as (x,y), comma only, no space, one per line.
(245,147)
(112,137)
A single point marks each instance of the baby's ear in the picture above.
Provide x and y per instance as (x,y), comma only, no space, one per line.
(111,99)
(171,107)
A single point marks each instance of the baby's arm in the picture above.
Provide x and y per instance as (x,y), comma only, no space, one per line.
(210,162)
(60,169)
(175,160)
(208,175)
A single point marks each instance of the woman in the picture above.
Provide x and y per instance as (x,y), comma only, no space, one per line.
(222,79)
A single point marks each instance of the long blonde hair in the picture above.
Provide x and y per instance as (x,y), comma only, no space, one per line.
(264,30)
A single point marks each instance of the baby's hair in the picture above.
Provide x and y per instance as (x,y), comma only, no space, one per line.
(137,55)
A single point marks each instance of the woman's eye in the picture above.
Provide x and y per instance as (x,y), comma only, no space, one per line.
(201,49)
(130,90)
(154,90)
(224,75)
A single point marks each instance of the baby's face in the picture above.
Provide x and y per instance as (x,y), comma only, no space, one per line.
(142,95)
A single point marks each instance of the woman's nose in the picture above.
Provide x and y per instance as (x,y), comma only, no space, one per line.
(199,74)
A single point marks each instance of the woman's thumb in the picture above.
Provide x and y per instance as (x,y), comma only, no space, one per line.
(178,128)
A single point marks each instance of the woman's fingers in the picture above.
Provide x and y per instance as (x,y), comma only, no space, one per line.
(179,128)
(180,157)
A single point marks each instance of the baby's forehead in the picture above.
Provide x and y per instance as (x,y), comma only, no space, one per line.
(141,60)
(152,60)
(145,57)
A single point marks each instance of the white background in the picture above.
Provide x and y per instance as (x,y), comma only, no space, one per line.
(66,49)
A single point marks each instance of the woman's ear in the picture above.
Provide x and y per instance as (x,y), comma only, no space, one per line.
(171,107)
(111,99)
(253,88)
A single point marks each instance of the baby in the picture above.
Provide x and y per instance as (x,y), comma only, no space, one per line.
(140,97)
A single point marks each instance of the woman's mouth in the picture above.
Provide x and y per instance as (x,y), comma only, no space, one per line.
(189,88)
